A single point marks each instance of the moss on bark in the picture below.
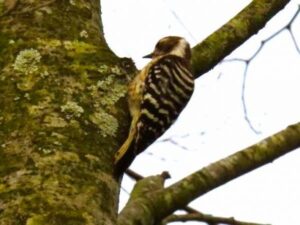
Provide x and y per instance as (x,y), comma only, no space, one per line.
(60,120)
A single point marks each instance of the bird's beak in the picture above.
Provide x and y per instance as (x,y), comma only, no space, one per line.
(148,56)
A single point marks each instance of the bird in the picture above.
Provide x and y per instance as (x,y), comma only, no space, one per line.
(156,97)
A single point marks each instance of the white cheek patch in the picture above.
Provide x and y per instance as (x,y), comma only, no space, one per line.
(179,50)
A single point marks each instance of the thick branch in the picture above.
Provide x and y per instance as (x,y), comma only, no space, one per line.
(165,202)
(230,36)
(142,187)
(233,166)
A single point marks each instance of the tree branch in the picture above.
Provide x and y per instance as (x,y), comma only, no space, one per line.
(231,35)
(164,202)
(137,177)
(233,166)
(249,61)
(200,217)
(152,207)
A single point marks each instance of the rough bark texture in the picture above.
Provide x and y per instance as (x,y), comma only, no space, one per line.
(61,94)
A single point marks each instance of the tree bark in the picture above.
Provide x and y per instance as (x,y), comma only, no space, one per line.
(62,114)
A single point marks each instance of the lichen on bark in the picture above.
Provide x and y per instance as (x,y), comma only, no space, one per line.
(62,93)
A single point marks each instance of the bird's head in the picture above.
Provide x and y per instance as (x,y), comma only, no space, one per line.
(171,45)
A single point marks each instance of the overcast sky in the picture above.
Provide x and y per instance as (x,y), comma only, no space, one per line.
(213,125)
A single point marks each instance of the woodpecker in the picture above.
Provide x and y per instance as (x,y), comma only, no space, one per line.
(156,96)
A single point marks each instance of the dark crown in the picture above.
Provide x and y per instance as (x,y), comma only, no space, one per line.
(173,45)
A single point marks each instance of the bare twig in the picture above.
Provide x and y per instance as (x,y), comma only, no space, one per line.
(248,61)
(133,175)
(289,27)
(174,142)
(189,210)
(127,192)
(246,116)
(209,219)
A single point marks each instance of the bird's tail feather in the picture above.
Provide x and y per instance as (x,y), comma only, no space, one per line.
(125,155)
(123,149)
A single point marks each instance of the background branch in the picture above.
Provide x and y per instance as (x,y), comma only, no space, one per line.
(248,62)
(234,33)
(164,202)
(183,192)
(209,219)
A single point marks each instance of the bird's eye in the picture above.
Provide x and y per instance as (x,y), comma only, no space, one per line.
(164,47)
(159,45)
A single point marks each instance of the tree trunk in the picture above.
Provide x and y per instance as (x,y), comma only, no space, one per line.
(62,89)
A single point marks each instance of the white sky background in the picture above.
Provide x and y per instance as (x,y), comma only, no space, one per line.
(213,125)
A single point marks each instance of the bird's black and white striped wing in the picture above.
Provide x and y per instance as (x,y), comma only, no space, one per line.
(168,88)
